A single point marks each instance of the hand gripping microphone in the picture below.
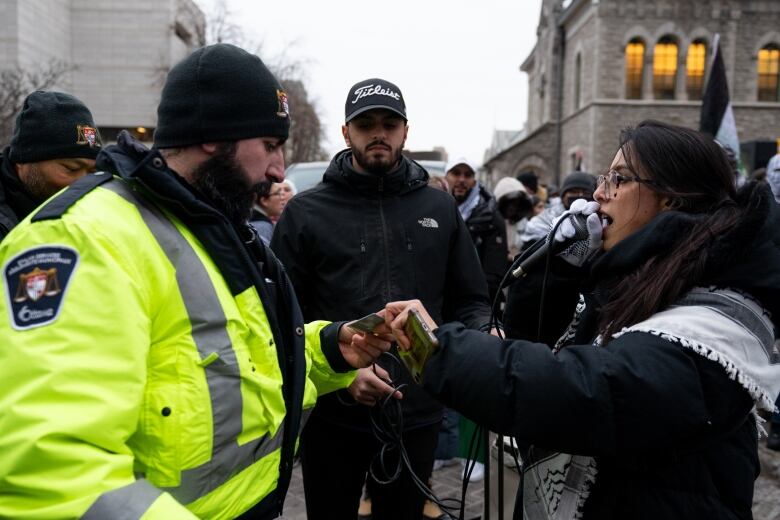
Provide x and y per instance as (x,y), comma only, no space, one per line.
(580,233)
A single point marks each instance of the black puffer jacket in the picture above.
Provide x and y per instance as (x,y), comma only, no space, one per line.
(356,241)
(15,202)
(671,431)
(488,232)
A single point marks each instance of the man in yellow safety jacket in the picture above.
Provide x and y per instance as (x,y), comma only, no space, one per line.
(153,358)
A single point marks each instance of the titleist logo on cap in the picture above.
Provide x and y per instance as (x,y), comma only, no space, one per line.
(371,94)
(374,90)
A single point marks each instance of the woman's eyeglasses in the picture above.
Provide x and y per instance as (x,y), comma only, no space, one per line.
(280,192)
(613,179)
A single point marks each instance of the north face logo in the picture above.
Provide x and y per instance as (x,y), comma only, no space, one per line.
(428,222)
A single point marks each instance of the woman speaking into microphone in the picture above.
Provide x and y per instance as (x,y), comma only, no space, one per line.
(646,406)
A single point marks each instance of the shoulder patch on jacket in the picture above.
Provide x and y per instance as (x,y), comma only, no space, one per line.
(35,284)
(57,207)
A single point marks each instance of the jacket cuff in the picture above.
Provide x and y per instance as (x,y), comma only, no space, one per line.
(486,327)
(329,343)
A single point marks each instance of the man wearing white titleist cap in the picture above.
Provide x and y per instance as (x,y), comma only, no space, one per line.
(371,231)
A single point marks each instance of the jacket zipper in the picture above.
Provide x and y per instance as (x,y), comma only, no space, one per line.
(384,238)
(363,264)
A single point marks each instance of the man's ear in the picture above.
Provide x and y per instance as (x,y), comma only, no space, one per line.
(209,148)
(345,133)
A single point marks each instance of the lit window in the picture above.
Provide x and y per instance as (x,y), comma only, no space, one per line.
(694,69)
(664,68)
(635,61)
(768,70)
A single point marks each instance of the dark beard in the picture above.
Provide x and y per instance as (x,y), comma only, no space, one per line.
(224,183)
(373,166)
(36,185)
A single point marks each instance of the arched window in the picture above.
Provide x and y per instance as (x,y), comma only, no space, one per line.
(664,68)
(577,81)
(635,62)
(768,70)
(694,69)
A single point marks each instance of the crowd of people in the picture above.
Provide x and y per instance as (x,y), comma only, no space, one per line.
(179,323)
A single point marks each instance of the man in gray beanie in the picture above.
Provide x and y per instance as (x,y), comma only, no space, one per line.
(576,185)
(520,323)
(55,142)
(160,364)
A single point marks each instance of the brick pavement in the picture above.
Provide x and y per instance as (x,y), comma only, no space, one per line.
(447,483)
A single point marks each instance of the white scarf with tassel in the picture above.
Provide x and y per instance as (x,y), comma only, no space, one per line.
(722,325)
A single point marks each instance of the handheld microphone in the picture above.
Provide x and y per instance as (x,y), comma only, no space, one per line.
(580,233)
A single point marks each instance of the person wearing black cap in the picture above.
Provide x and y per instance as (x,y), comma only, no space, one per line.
(532,186)
(55,142)
(576,185)
(159,363)
(522,306)
(373,230)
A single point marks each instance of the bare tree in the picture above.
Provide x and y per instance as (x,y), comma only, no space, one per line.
(221,27)
(17,82)
(305,142)
(306,136)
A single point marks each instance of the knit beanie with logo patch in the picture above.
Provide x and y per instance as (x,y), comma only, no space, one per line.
(220,93)
(53,125)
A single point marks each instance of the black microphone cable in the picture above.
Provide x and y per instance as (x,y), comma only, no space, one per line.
(519,466)
(543,292)
(388,426)
(493,322)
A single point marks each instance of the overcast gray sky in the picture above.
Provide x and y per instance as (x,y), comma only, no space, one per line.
(456,62)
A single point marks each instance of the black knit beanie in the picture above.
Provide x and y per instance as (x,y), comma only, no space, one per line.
(578,180)
(53,125)
(220,93)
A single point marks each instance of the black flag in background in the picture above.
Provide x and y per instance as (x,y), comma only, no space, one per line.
(717,116)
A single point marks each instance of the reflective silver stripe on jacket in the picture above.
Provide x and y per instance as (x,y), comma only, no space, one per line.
(210,335)
(126,503)
(305,414)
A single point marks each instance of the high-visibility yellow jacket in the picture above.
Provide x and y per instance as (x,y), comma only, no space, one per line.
(150,367)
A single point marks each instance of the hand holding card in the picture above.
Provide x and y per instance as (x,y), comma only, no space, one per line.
(362,341)
(367,324)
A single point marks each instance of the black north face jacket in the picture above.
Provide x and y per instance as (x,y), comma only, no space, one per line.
(357,241)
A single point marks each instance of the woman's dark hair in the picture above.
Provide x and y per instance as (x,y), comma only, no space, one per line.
(692,171)
(263,189)
(529,180)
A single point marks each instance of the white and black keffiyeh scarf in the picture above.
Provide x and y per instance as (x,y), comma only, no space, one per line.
(722,325)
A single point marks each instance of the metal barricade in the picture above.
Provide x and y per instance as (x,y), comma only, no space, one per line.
(504,481)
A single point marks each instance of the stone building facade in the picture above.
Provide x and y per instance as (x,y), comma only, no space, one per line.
(601,65)
(116,52)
